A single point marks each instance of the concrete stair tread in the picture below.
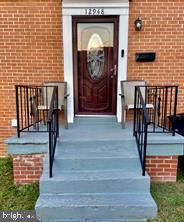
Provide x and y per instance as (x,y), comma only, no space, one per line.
(74,175)
(95,161)
(96,200)
(96,206)
(96,149)
(99,145)
(96,155)
(95,181)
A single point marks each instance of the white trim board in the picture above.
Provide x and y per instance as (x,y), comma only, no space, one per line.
(97,116)
(70,9)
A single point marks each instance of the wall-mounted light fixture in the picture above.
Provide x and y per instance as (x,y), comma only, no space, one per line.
(138,24)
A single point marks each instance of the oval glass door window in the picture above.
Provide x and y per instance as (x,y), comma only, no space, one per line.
(95,56)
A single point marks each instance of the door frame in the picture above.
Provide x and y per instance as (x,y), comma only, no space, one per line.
(72,9)
(93,19)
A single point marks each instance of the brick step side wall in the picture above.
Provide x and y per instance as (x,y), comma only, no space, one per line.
(162,168)
(27,168)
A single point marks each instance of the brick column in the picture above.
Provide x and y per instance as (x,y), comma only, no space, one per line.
(27,168)
(162,168)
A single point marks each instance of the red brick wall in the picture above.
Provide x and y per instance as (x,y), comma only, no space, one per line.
(31,47)
(163,33)
(30,51)
(163,168)
(27,168)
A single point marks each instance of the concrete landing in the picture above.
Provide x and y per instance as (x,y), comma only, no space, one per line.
(90,129)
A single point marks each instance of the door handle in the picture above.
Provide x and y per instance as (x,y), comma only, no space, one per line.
(113,70)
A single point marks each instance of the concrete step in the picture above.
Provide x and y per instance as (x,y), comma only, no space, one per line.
(96,155)
(115,181)
(96,206)
(105,161)
(96,146)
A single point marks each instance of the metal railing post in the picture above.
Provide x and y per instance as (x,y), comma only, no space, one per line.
(50,148)
(175,109)
(27,106)
(57,114)
(135,108)
(17,110)
(145,148)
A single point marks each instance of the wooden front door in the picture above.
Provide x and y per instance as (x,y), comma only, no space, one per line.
(95,64)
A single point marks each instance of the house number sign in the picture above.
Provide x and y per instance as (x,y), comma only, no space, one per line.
(94,11)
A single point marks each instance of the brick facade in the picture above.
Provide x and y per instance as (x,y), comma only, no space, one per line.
(31,52)
(162,32)
(162,168)
(27,168)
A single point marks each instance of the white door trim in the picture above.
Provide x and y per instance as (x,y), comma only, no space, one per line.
(121,9)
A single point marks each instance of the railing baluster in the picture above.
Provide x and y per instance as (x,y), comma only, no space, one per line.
(21,108)
(175,108)
(163,99)
(145,148)
(159,107)
(155,108)
(165,107)
(17,111)
(135,110)
(170,107)
(37,102)
(57,110)
(27,106)
(50,148)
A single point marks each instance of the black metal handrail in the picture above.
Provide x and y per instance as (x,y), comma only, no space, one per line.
(36,105)
(164,104)
(24,109)
(155,112)
(141,122)
(53,127)
(32,107)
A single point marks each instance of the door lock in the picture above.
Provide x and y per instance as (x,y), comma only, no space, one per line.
(113,71)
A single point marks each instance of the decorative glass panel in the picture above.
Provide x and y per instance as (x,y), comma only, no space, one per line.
(92,39)
(95,56)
